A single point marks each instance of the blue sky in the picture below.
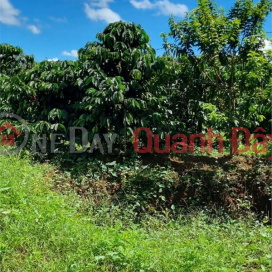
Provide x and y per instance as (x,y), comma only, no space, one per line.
(58,28)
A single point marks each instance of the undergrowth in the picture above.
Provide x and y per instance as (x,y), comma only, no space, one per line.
(44,230)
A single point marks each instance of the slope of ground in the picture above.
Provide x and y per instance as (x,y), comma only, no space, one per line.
(43,230)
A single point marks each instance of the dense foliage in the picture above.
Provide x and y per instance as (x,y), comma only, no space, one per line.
(214,73)
(228,73)
(132,212)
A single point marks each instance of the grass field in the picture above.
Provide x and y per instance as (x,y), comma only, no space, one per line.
(44,230)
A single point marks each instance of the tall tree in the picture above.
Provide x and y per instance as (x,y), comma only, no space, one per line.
(117,72)
(225,49)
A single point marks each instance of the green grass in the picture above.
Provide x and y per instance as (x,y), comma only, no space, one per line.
(44,230)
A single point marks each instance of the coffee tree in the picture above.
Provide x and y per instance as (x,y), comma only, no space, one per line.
(117,73)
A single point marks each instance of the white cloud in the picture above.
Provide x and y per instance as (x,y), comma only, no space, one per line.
(163,7)
(72,53)
(8,14)
(54,59)
(145,4)
(34,29)
(58,19)
(101,3)
(99,10)
(168,8)
(103,14)
(268,45)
